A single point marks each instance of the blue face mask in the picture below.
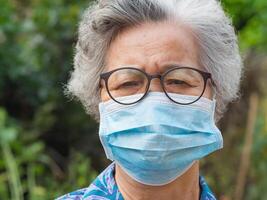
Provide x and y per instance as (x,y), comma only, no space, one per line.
(156,140)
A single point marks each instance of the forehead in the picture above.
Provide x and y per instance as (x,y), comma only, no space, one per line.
(153,47)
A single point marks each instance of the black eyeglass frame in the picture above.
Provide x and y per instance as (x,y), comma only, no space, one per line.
(205,75)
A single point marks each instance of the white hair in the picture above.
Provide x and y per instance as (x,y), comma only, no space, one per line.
(102,21)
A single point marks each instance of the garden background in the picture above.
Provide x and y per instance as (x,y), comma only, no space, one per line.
(49,146)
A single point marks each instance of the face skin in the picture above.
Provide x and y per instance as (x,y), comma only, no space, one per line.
(153,47)
(153,50)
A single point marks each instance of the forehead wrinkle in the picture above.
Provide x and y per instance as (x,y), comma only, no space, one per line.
(147,48)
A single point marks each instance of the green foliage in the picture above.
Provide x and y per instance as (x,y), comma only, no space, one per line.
(250,20)
(258,181)
(7,135)
(29,173)
(47,143)
(36,39)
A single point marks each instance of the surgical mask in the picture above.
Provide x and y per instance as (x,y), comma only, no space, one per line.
(156,140)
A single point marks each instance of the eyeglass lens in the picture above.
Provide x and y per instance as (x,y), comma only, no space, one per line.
(183,81)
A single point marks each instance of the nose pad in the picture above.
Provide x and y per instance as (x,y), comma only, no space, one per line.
(155,85)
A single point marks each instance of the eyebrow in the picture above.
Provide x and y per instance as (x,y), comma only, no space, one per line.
(162,68)
(169,66)
(127,65)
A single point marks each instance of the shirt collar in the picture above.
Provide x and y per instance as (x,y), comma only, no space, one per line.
(106,186)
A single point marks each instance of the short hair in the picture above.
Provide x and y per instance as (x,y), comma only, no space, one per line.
(102,21)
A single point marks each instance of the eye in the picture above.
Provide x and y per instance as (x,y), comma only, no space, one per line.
(129,84)
(178,82)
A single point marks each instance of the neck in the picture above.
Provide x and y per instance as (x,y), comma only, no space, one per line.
(185,187)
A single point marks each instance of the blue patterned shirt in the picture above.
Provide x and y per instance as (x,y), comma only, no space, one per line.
(104,187)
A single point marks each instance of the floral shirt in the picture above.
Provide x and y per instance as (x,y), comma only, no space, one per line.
(104,187)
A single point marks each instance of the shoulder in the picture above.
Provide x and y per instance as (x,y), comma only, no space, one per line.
(102,188)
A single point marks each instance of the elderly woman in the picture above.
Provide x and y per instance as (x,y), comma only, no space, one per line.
(157,75)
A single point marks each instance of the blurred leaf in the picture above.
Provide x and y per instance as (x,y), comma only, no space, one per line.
(13,173)
(2,118)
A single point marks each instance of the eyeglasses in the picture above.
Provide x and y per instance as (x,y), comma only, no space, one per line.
(127,81)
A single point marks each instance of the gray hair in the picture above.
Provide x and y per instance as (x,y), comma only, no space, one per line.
(102,21)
